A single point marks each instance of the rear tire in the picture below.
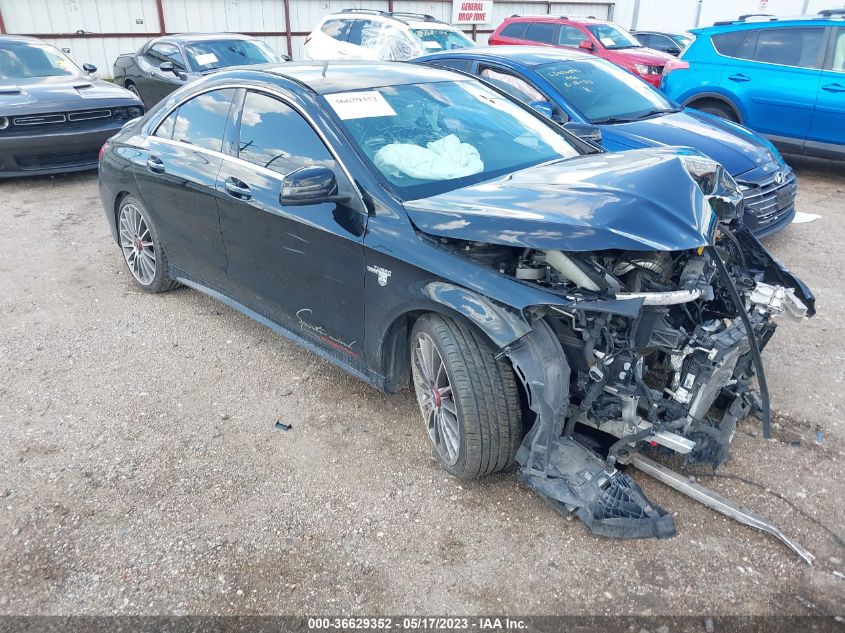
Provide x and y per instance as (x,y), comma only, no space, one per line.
(141,247)
(717,108)
(469,400)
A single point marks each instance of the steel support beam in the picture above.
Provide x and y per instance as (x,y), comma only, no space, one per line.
(288,34)
(162,28)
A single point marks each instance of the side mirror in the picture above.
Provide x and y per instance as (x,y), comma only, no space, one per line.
(310,185)
(674,51)
(543,107)
(584,131)
(286,58)
(167,67)
(586,45)
(89,68)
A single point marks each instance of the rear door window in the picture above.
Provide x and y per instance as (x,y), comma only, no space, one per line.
(543,32)
(202,120)
(515,30)
(356,31)
(275,136)
(790,47)
(796,47)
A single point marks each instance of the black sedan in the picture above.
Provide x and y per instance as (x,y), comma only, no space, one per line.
(54,118)
(166,63)
(672,43)
(413,225)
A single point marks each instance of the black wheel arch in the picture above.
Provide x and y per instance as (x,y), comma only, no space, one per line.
(497,323)
(704,97)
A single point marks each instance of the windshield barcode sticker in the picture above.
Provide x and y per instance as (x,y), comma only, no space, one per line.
(360,105)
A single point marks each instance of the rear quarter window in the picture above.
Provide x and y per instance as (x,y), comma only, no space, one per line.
(336,29)
(727,44)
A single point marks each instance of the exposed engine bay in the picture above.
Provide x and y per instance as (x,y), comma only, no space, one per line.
(655,350)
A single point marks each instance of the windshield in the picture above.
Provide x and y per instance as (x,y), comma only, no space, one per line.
(442,39)
(430,138)
(24,60)
(613,37)
(601,91)
(224,53)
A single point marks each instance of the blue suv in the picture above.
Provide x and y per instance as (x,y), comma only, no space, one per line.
(782,78)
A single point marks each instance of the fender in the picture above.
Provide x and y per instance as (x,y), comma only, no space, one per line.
(502,324)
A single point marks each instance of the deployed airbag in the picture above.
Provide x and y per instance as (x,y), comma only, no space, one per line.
(443,159)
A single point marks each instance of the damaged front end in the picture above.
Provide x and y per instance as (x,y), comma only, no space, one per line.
(649,346)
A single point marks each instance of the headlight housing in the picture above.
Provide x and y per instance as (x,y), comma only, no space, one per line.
(127,113)
(716,184)
(4,122)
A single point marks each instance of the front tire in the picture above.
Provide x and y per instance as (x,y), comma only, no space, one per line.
(141,247)
(469,400)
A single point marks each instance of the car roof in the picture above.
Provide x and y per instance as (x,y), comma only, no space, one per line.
(22,38)
(738,25)
(575,19)
(341,76)
(410,19)
(525,55)
(202,37)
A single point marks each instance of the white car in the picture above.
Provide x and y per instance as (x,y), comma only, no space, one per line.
(372,34)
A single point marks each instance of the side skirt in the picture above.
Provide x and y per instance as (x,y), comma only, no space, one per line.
(326,353)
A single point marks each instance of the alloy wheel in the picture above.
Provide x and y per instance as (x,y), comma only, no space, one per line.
(436,400)
(136,242)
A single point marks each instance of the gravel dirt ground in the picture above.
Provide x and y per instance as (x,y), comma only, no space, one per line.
(142,473)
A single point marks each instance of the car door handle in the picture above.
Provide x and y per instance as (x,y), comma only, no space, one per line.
(155,165)
(237,189)
(739,77)
(834,87)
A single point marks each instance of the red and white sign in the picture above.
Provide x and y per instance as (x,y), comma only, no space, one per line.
(472,11)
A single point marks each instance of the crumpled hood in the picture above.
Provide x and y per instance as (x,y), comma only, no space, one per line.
(736,148)
(636,200)
(58,94)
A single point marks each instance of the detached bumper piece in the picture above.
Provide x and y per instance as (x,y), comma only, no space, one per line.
(573,478)
(711,499)
(610,504)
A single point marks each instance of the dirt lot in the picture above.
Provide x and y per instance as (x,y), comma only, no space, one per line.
(141,472)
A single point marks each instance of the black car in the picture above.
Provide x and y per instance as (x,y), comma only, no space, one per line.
(672,43)
(411,224)
(167,63)
(54,118)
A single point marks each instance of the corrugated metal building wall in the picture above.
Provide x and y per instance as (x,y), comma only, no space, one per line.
(97,31)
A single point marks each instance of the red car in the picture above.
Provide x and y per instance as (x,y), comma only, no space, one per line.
(602,39)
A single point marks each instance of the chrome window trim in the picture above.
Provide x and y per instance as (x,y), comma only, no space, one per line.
(263,170)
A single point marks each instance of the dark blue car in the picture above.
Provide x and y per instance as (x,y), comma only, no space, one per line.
(579,90)
(420,229)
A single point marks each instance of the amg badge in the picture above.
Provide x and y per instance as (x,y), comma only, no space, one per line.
(383,274)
